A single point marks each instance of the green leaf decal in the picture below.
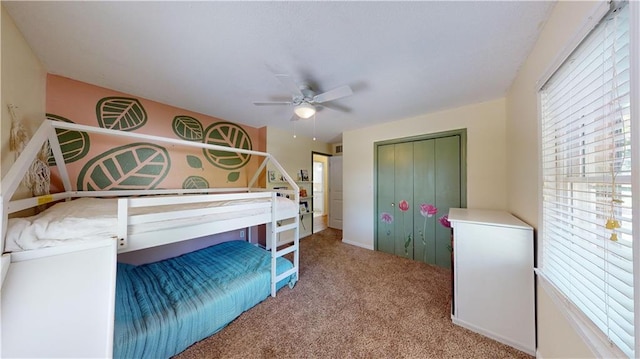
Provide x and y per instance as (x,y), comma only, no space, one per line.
(233,176)
(74,144)
(135,166)
(194,162)
(229,135)
(195,182)
(187,128)
(120,113)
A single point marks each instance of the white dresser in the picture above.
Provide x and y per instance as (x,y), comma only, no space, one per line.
(493,279)
(59,302)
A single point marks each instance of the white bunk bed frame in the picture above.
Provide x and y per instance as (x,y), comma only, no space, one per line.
(128,241)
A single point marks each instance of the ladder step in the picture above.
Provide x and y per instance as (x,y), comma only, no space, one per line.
(286,227)
(287,250)
(285,274)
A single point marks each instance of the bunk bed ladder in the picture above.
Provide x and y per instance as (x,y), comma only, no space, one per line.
(275,253)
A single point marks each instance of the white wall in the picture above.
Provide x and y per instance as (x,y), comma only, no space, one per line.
(295,154)
(23,84)
(486,162)
(556,338)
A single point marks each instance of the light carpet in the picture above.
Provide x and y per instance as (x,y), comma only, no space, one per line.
(353,303)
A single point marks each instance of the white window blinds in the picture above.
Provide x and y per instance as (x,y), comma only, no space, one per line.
(586,169)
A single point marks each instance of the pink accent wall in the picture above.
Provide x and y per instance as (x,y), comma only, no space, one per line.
(76,101)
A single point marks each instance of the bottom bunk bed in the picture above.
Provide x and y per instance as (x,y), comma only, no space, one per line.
(164,307)
(97,308)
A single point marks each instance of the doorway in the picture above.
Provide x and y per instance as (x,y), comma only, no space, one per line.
(320,190)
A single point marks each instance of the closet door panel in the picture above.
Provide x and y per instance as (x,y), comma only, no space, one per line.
(403,158)
(424,192)
(385,192)
(447,192)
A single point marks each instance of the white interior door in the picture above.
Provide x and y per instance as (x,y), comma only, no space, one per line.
(335,192)
(318,188)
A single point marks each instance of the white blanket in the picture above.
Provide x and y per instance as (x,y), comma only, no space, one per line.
(87,219)
(66,222)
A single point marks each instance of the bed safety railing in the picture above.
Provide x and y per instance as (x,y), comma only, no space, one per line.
(47,132)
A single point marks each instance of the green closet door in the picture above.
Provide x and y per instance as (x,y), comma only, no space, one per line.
(385,199)
(447,192)
(403,159)
(424,193)
(420,171)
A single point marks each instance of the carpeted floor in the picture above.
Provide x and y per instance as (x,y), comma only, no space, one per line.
(353,303)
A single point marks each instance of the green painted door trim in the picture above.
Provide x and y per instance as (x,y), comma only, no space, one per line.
(463,167)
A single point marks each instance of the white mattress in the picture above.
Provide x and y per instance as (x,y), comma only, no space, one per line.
(87,219)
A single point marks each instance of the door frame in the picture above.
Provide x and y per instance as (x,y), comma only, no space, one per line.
(462,132)
(313,153)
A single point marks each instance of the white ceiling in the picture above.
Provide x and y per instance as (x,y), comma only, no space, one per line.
(401,59)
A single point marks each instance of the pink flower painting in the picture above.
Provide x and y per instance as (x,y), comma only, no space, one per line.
(428,210)
(386,218)
(404,207)
(444,221)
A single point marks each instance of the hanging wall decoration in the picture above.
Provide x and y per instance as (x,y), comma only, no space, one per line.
(18,137)
(38,176)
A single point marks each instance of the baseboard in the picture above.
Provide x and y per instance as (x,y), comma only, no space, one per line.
(538,355)
(494,336)
(357,244)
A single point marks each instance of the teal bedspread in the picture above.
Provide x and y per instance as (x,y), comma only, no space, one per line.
(164,307)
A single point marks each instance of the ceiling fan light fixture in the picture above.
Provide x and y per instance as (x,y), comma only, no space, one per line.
(304,110)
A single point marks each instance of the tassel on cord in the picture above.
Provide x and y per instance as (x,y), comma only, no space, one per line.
(18,138)
(614,108)
(38,176)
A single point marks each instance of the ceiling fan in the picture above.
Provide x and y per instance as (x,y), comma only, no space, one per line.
(305,99)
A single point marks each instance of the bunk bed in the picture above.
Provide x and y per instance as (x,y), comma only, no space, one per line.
(221,283)
(76,268)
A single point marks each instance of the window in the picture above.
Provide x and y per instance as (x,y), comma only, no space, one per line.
(586,232)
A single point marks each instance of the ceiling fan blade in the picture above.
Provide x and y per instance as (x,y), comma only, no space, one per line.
(335,107)
(271,103)
(288,82)
(334,94)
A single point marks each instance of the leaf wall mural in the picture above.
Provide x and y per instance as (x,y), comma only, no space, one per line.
(137,166)
(120,113)
(229,135)
(194,162)
(187,128)
(233,176)
(195,182)
(90,105)
(74,144)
